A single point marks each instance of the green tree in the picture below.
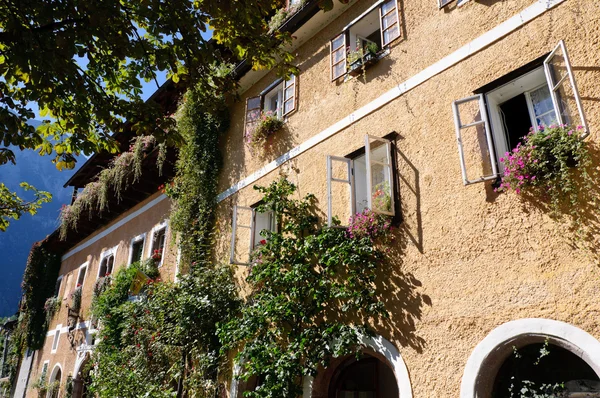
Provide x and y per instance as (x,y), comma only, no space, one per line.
(12,206)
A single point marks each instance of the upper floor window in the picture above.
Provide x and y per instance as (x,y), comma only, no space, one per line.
(364,180)
(279,99)
(159,239)
(374,30)
(57,286)
(136,250)
(81,275)
(248,225)
(107,262)
(538,97)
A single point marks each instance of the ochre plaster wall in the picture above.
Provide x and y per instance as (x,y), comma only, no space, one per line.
(466,259)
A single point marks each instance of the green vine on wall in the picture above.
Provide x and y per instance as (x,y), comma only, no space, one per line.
(312,296)
(38,285)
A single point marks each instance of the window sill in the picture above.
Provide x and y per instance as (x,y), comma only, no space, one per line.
(378,58)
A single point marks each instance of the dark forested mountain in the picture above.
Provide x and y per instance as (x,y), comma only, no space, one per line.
(16,242)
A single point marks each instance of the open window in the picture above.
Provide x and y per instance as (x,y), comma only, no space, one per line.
(81,275)
(107,262)
(371,32)
(363,180)
(247,229)
(159,239)
(544,93)
(136,249)
(279,99)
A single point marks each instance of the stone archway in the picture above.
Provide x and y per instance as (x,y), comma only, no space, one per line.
(54,382)
(82,380)
(491,353)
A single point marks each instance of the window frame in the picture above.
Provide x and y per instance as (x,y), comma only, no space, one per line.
(249,114)
(55,339)
(351,181)
(444,3)
(252,227)
(134,240)
(496,140)
(155,230)
(83,266)
(104,255)
(345,32)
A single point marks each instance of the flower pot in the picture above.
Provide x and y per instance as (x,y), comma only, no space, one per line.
(357,67)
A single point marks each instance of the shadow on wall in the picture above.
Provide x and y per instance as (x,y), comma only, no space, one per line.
(409,187)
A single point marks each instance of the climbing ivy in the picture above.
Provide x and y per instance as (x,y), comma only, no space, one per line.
(39,282)
(312,294)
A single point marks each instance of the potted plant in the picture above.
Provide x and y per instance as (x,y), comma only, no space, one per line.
(51,307)
(362,58)
(267,125)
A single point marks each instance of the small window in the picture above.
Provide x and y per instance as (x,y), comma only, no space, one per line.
(55,341)
(44,373)
(539,97)
(365,180)
(81,275)
(57,286)
(106,266)
(158,244)
(278,99)
(379,26)
(137,249)
(247,232)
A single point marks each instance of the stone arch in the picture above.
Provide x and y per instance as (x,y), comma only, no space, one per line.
(55,376)
(79,378)
(489,354)
(378,347)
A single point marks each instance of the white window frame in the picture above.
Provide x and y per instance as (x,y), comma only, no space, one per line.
(55,339)
(45,367)
(500,146)
(136,239)
(85,275)
(351,179)
(252,227)
(58,284)
(104,254)
(345,33)
(281,86)
(157,228)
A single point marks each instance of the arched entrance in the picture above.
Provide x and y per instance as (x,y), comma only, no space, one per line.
(530,354)
(82,379)
(54,382)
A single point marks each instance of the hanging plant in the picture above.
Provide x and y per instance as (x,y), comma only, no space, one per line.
(550,163)
(369,224)
(76,299)
(101,284)
(267,125)
(51,307)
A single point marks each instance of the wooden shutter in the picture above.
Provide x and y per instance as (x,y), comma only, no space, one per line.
(483,121)
(236,226)
(338,56)
(389,22)
(563,89)
(380,177)
(253,107)
(332,180)
(289,95)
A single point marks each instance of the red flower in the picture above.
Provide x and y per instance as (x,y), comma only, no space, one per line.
(263,242)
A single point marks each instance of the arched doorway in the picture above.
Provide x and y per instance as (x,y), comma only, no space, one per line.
(83,379)
(535,355)
(367,377)
(54,382)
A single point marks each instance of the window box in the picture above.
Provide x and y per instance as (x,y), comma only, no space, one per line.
(379,26)
(362,63)
(500,117)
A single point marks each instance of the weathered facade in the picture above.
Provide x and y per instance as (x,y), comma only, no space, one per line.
(474,272)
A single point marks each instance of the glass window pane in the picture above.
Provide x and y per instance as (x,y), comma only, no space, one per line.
(389,20)
(339,70)
(338,55)
(288,106)
(386,7)
(391,34)
(253,103)
(360,184)
(263,221)
(338,42)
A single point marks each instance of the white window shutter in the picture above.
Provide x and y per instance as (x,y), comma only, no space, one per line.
(235,227)
(389,22)
(338,56)
(483,121)
(559,75)
(380,176)
(332,180)
(289,95)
